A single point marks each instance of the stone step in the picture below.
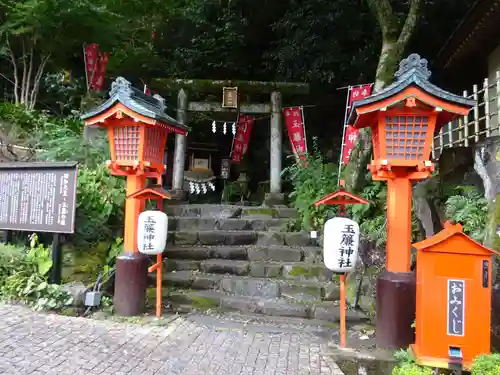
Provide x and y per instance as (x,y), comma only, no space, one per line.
(310,254)
(221,237)
(219,211)
(253,286)
(269,269)
(212,300)
(179,223)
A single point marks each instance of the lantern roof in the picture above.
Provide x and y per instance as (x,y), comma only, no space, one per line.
(341,197)
(412,79)
(459,242)
(151,107)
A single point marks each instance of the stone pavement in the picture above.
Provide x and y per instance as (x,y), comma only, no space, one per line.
(37,343)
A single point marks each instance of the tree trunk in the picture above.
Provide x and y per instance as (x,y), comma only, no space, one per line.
(394,42)
(389,57)
(12,59)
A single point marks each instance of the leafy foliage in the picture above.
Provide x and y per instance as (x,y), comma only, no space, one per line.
(486,365)
(311,181)
(407,365)
(372,216)
(411,369)
(23,278)
(99,210)
(468,207)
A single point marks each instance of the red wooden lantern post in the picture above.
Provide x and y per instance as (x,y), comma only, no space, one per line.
(403,117)
(137,129)
(341,198)
(154,194)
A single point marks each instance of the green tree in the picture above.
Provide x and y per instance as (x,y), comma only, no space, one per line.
(398,22)
(35,31)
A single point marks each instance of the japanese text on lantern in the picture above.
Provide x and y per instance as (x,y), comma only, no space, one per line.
(456,307)
(149,234)
(346,243)
(294,122)
(340,244)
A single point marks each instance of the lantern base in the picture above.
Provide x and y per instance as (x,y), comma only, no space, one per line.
(396,305)
(130,284)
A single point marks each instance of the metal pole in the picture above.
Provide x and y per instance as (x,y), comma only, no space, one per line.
(347,87)
(55,272)
(304,125)
(343,132)
(85,62)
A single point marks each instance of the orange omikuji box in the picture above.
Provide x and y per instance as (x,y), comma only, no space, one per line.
(453,314)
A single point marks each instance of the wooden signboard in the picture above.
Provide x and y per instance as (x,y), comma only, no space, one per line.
(229,97)
(38,197)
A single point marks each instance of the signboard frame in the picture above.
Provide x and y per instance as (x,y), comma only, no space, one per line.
(450,309)
(230,97)
(40,167)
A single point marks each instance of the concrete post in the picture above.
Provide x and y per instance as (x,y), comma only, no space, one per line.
(275,196)
(180,147)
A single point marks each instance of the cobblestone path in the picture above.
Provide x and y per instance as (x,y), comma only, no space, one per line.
(34,343)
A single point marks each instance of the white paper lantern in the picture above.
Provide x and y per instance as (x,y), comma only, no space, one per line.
(224,128)
(212,186)
(214,127)
(340,244)
(152,232)
(204,188)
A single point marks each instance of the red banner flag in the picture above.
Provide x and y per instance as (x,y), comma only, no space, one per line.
(351,134)
(91,54)
(102,62)
(242,137)
(294,121)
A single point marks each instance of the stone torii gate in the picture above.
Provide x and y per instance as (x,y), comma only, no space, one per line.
(245,88)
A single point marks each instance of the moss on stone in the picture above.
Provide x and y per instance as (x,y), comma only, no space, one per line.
(150,297)
(84,265)
(303,271)
(203,303)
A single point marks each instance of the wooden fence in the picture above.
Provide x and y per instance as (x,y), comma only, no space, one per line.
(483,120)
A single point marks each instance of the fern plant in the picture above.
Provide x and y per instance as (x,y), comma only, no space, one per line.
(468,207)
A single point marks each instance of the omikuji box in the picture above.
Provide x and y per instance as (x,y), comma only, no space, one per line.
(453,314)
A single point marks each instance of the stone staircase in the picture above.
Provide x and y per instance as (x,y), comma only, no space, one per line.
(241,259)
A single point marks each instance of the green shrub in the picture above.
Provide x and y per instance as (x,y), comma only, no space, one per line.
(311,183)
(468,206)
(99,206)
(411,369)
(486,365)
(23,278)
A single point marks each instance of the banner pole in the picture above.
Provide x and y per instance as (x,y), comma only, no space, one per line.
(85,62)
(304,127)
(349,88)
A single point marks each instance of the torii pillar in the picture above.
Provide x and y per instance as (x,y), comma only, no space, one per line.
(177,191)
